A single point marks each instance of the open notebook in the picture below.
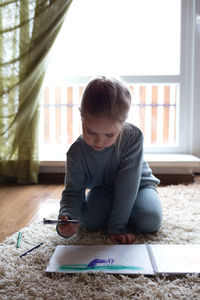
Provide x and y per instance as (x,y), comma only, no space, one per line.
(146,259)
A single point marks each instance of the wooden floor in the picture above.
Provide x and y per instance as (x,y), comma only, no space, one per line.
(21,205)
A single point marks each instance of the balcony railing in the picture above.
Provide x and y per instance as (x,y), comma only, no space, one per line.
(154,110)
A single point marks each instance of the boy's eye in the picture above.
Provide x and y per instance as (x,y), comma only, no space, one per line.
(90,132)
(110,135)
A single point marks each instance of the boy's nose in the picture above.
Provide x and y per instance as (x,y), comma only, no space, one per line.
(98,141)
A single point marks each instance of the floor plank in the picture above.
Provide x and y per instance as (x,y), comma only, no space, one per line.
(45,211)
(20,205)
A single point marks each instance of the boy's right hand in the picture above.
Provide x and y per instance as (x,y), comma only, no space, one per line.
(68,229)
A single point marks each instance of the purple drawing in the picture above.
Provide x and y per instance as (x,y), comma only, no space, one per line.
(96,261)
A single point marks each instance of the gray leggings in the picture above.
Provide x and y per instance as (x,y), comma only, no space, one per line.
(146,215)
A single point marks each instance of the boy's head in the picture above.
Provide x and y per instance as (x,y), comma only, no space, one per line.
(106,97)
(104,109)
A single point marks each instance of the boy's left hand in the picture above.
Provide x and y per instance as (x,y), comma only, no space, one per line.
(128,238)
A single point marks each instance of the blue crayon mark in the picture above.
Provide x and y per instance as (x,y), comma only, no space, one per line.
(96,261)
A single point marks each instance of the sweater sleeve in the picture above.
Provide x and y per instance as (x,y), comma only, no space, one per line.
(73,195)
(126,184)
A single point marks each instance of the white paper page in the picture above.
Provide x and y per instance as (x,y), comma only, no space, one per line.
(177,258)
(124,259)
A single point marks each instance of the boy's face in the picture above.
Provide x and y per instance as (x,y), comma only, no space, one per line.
(100,132)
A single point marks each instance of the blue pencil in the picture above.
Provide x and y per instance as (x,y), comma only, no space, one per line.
(35,247)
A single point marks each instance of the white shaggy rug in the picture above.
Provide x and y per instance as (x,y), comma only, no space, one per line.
(25,278)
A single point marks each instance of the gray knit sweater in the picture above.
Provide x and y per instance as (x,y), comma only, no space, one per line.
(120,168)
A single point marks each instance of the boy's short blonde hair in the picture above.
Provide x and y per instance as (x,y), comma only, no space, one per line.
(106,97)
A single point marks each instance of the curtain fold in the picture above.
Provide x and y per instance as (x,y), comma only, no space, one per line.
(28,29)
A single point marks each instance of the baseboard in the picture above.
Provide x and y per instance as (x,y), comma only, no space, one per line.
(51,178)
(165,179)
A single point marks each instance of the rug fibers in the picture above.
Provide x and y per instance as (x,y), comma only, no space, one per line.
(25,278)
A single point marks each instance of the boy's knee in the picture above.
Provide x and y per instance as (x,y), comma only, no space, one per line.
(154,222)
(147,222)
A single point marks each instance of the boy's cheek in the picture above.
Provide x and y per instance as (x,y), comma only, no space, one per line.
(111,142)
(87,139)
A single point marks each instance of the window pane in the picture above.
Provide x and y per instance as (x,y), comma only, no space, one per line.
(154,111)
(123,37)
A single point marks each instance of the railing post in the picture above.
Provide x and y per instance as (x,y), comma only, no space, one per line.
(69,115)
(154,112)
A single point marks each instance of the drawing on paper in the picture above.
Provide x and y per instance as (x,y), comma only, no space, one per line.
(125,259)
(97,264)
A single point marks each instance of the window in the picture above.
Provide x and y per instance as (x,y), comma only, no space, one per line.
(148,44)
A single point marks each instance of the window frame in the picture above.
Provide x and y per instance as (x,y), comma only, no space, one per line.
(195,111)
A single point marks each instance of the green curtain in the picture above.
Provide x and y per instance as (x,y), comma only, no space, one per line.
(28,29)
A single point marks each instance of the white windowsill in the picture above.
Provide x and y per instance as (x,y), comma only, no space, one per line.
(160,164)
(173,163)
